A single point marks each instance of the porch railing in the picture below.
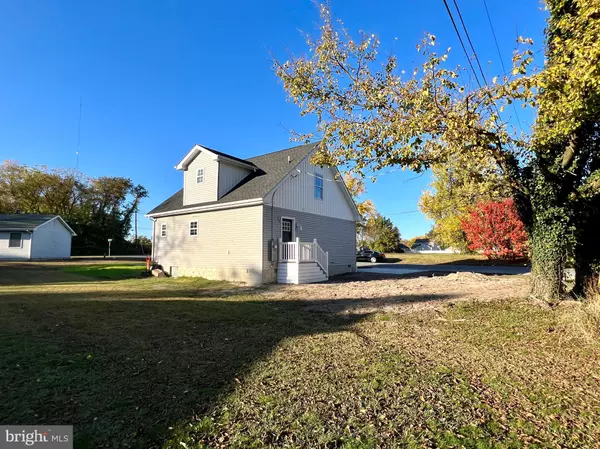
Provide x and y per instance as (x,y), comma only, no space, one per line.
(299,252)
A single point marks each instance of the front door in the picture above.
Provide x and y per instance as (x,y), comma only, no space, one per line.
(287,228)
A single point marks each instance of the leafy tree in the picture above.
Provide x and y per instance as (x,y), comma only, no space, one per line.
(457,186)
(96,208)
(356,187)
(380,234)
(370,116)
(496,229)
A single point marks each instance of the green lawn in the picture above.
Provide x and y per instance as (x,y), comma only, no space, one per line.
(190,363)
(108,271)
(448,259)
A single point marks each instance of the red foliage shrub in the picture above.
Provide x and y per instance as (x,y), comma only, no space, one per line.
(496,229)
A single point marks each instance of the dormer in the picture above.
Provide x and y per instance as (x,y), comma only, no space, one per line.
(208,175)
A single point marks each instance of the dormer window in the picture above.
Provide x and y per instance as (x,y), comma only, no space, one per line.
(200,176)
(318,186)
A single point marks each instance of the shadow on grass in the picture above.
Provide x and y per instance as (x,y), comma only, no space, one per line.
(123,370)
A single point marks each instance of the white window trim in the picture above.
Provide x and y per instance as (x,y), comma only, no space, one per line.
(190,228)
(163,230)
(293,228)
(319,176)
(21,241)
(200,177)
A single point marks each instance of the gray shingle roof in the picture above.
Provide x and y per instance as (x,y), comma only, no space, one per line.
(22,222)
(272,168)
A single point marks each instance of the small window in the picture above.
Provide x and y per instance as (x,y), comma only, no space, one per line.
(14,240)
(200,176)
(163,230)
(319,186)
(286,226)
(193,228)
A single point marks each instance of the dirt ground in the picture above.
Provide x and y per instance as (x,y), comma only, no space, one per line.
(375,292)
(402,294)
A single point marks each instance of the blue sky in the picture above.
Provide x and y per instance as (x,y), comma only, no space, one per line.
(158,77)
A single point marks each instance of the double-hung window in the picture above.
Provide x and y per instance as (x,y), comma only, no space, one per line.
(163,230)
(318,186)
(200,176)
(193,228)
(15,240)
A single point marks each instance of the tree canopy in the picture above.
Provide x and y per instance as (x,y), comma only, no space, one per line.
(380,234)
(96,208)
(496,229)
(458,185)
(370,115)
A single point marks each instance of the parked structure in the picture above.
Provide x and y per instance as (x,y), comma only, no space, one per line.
(34,236)
(274,217)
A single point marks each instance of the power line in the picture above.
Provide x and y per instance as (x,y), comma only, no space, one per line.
(494,106)
(469,39)
(487,12)
(402,213)
(462,43)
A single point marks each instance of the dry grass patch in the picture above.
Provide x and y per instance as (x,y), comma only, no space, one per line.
(191,363)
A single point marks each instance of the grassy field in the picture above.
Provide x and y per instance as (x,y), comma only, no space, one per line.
(448,259)
(108,271)
(190,363)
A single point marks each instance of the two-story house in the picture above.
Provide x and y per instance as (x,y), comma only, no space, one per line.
(270,218)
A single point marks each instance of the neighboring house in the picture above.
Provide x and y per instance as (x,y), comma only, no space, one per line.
(403,247)
(34,236)
(274,217)
(424,245)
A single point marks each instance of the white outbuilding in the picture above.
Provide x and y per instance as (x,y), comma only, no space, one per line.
(34,236)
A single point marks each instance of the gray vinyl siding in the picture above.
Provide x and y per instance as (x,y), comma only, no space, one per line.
(335,235)
(194,193)
(229,176)
(228,245)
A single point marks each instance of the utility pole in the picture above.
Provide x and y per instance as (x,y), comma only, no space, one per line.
(136,229)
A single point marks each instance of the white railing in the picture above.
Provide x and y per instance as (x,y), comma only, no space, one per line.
(299,252)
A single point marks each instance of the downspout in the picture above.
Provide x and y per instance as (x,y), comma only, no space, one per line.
(273,226)
(153,226)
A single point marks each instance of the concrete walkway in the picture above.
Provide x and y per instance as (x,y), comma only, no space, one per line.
(396,268)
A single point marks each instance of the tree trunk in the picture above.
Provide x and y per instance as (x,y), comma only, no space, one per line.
(548,255)
(586,257)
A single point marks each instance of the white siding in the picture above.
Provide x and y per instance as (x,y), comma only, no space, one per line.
(304,273)
(15,253)
(194,193)
(51,241)
(229,176)
(334,235)
(297,192)
(228,245)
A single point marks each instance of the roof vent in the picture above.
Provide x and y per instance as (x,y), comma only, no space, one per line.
(289,159)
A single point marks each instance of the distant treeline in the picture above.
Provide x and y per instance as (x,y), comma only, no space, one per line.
(96,208)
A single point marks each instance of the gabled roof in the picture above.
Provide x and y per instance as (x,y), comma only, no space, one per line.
(197,149)
(28,222)
(271,168)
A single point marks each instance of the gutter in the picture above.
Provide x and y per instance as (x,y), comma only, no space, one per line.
(212,207)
